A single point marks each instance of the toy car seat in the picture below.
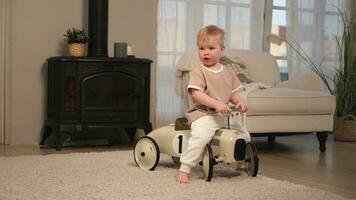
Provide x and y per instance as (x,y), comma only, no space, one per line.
(181,124)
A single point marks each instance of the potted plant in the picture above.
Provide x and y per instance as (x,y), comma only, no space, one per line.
(345,81)
(76,39)
(344,88)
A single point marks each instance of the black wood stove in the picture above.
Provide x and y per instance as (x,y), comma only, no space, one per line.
(96,93)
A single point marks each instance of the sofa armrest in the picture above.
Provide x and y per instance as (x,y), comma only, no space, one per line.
(304,82)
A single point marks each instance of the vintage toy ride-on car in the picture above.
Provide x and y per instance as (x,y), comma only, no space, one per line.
(228,147)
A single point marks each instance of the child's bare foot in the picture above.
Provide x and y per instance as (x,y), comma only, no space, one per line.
(182,178)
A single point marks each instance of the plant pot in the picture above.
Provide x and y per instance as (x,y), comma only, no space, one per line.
(345,128)
(76,49)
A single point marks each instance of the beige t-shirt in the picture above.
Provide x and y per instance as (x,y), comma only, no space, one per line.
(218,83)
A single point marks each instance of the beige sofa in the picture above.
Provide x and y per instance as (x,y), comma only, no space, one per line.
(300,105)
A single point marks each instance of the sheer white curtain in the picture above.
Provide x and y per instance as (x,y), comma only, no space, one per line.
(177,24)
(313,26)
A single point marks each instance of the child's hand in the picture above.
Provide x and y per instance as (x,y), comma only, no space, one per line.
(241,106)
(222,108)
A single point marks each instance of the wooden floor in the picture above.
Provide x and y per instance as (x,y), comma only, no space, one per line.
(293,158)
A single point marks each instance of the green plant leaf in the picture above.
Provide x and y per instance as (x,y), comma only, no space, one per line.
(75,35)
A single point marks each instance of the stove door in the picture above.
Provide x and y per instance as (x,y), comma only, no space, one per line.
(110,97)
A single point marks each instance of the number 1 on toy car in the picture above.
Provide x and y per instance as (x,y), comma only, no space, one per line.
(179,143)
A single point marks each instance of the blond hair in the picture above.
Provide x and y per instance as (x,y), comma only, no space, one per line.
(208,31)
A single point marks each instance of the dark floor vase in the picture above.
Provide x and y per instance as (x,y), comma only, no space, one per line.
(345,128)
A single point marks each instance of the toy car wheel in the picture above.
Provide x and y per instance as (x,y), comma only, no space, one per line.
(176,160)
(208,163)
(146,153)
(251,159)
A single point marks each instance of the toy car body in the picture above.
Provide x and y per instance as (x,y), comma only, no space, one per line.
(228,146)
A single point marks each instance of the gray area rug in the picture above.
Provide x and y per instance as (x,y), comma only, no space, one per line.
(114,175)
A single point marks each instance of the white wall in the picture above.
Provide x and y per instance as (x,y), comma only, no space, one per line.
(36,30)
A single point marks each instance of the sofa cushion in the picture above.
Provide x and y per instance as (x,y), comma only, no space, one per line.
(261,66)
(285,101)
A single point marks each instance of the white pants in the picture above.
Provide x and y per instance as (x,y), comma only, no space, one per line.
(202,131)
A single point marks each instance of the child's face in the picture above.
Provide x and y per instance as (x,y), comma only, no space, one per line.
(210,50)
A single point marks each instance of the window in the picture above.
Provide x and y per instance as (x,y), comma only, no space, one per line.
(310,25)
(279,27)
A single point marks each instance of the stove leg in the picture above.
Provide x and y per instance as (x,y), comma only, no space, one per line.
(58,140)
(47,130)
(148,128)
